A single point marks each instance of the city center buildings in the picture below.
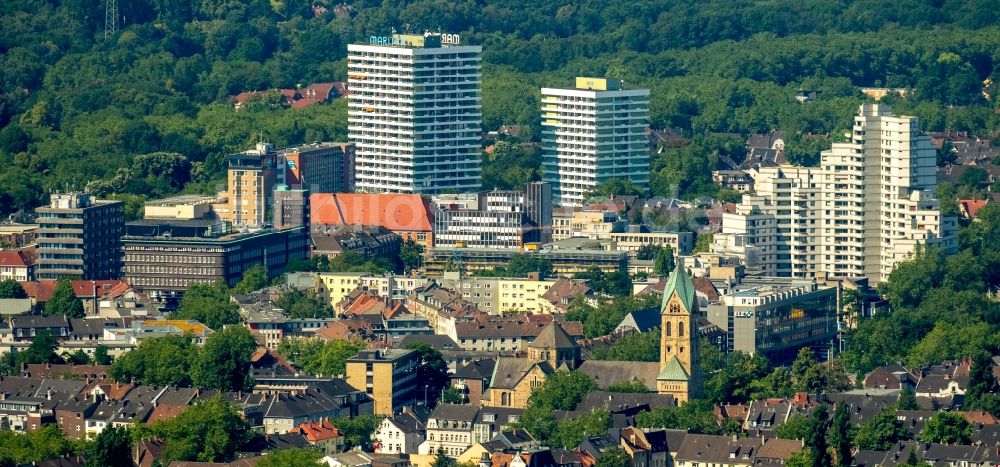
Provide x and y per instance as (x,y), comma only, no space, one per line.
(414,113)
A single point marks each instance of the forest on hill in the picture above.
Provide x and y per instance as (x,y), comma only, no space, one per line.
(148,112)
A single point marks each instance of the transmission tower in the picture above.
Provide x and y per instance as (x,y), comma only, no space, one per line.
(110,18)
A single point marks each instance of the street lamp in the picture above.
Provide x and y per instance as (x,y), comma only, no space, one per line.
(425,394)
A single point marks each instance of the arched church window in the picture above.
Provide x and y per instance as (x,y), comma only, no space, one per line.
(680,329)
(667,329)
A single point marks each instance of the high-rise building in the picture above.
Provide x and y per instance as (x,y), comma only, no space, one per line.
(865,208)
(593,132)
(538,210)
(414,113)
(80,237)
(318,167)
(251,176)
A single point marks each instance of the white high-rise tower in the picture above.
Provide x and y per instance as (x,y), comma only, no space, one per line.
(866,208)
(414,113)
(592,133)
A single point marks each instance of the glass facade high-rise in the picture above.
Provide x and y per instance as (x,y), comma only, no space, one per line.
(414,113)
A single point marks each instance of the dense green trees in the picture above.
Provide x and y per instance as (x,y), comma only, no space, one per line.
(47,442)
(560,391)
(432,371)
(10,288)
(295,457)
(64,302)
(358,430)
(209,431)
(947,428)
(224,361)
(161,361)
(880,432)
(317,357)
(111,448)
(208,304)
(76,109)
(636,347)
(695,416)
(941,307)
(300,304)
(605,317)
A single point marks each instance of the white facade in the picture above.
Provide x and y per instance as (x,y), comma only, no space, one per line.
(867,207)
(592,133)
(414,113)
(393,439)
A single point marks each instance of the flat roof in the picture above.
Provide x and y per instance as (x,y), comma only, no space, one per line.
(182,200)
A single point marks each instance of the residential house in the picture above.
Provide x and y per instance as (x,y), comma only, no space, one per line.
(450,428)
(322,435)
(18,265)
(472,380)
(402,433)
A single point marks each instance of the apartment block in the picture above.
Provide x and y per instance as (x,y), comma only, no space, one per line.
(414,112)
(593,132)
(388,376)
(865,208)
(318,167)
(80,237)
(250,180)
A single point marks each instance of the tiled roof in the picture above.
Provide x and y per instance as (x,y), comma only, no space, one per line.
(673,371)
(396,212)
(13,258)
(553,337)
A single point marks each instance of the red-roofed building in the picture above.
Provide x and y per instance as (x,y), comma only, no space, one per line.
(315,93)
(969,207)
(323,435)
(18,265)
(89,292)
(410,216)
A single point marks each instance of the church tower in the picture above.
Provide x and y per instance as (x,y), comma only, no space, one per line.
(555,346)
(680,359)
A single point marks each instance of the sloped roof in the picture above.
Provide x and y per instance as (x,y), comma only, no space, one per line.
(606,373)
(15,258)
(396,212)
(553,336)
(680,282)
(673,371)
(509,371)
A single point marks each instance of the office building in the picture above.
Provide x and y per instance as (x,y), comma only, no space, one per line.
(865,208)
(776,317)
(163,257)
(291,207)
(591,133)
(318,167)
(414,113)
(498,221)
(538,210)
(388,376)
(80,237)
(251,177)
